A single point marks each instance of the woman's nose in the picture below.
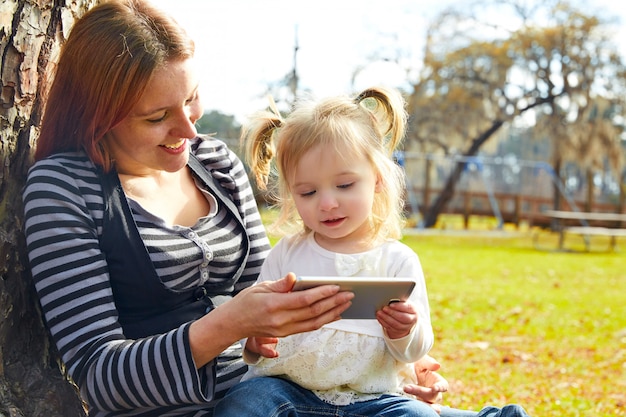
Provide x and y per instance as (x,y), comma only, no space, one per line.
(185,126)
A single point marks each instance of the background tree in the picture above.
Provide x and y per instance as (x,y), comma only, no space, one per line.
(286,91)
(553,62)
(31,381)
(593,142)
(223,126)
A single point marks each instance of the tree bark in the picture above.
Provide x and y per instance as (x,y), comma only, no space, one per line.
(32,382)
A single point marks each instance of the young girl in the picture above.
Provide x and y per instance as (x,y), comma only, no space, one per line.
(336,177)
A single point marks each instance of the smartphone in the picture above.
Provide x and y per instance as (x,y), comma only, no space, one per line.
(370,293)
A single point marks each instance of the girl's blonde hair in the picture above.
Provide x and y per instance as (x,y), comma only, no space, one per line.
(372,125)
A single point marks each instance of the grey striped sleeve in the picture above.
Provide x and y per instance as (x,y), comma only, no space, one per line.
(63,218)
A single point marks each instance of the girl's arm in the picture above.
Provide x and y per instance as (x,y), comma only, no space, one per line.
(420,340)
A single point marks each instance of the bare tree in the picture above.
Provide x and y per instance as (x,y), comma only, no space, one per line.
(32,382)
(558,63)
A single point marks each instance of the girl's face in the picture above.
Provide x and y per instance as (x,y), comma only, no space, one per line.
(334,198)
(154,136)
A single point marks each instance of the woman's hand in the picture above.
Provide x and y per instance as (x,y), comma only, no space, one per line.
(268,309)
(272,310)
(431,385)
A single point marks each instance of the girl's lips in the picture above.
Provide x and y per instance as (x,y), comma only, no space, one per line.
(333,222)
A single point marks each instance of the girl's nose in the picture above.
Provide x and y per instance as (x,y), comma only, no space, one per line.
(328,202)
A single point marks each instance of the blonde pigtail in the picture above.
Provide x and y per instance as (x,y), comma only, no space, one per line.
(388,120)
(389,112)
(258,142)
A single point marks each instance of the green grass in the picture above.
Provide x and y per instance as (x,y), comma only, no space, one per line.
(514,324)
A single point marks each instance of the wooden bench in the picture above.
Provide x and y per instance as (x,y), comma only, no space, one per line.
(564,220)
(587,231)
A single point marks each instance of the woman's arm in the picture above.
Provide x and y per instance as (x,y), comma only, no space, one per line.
(63,217)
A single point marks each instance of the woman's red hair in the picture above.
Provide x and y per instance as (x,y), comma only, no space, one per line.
(103,69)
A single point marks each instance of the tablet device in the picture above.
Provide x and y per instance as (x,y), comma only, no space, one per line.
(370,293)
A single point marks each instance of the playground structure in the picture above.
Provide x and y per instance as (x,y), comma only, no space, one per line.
(506,188)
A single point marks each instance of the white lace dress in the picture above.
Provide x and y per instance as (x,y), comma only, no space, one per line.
(349,360)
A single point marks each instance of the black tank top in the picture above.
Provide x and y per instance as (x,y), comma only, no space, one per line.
(145,305)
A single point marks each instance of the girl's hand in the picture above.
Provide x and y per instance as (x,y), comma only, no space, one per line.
(263,346)
(398,319)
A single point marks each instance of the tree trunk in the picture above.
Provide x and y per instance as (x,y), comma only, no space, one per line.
(427,181)
(556,192)
(430,219)
(31,380)
(589,201)
(621,199)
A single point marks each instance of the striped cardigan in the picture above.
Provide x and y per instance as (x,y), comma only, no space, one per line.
(117,376)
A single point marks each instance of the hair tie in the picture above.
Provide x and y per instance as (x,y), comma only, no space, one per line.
(360,97)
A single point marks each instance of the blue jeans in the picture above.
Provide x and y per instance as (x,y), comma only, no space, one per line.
(511,410)
(276,397)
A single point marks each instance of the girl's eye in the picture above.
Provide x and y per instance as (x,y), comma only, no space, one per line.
(348,185)
(307,194)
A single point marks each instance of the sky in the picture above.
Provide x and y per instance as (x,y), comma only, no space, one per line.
(242,46)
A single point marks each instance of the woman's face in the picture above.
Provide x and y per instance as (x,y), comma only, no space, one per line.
(154,136)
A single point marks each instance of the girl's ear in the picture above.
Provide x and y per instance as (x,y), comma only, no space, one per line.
(379,183)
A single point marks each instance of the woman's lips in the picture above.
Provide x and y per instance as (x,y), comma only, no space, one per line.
(175,147)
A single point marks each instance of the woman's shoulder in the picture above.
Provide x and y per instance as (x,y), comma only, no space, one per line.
(66,164)
(64,177)
(215,155)
(223,164)
(210,150)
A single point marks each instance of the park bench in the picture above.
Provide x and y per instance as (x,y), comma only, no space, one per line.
(589,226)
